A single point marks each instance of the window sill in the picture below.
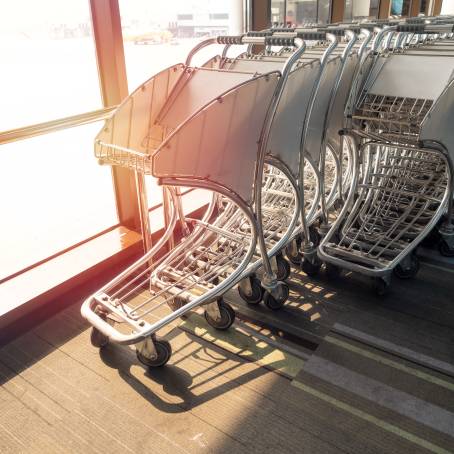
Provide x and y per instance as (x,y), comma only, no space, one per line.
(51,280)
(66,279)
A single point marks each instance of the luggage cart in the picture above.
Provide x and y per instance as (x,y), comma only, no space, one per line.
(280,203)
(188,127)
(406,153)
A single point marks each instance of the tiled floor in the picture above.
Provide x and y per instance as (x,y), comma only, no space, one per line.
(240,393)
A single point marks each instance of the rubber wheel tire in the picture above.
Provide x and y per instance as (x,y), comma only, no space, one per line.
(433,239)
(381,286)
(332,271)
(410,273)
(163,350)
(294,259)
(227,317)
(272,303)
(310,268)
(314,236)
(176,303)
(98,339)
(283,268)
(445,250)
(257,292)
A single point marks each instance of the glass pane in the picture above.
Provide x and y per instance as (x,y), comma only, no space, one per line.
(48,65)
(400,7)
(324,11)
(348,10)
(447,7)
(302,12)
(278,11)
(54,194)
(360,9)
(396,7)
(158,34)
(374,8)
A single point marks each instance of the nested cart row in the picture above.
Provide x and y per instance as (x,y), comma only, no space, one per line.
(309,147)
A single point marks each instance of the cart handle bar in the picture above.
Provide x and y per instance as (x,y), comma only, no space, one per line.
(425,28)
(288,40)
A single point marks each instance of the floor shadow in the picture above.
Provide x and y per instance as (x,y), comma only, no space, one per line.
(175,381)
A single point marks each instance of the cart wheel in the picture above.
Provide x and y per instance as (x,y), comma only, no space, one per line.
(257,292)
(283,268)
(314,236)
(98,339)
(445,250)
(294,258)
(227,317)
(332,271)
(311,269)
(407,272)
(338,204)
(275,303)
(381,286)
(176,303)
(163,351)
(432,240)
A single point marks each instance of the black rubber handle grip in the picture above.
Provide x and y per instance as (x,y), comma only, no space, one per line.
(370,27)
(340,31)
(439,27)
(335,31)
(229,39)
(261,34)
(282,29)
(312,36)
(273,41)
(415,20)
(411,28)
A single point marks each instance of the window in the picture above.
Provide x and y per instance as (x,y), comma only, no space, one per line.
(300,12)
(447,7)
(400,7)
(360,9)
(160,34)
(54,194)
(48,62)
(278,11)
(324,11)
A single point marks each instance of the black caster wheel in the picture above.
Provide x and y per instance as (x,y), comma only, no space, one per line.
(311,269)
(163,351)
(432,240)
(332,271)
(227,317)
(283,268)
(98,339)
(256,292)
(445,250)
(294,257)
(338,204)
(176,303)
(276,303)
(314,236)
(381,286)
(409,271)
